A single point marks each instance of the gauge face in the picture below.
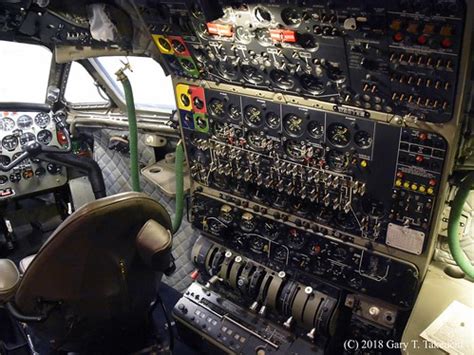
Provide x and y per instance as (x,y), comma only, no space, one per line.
(339,135)
(27,137)
(251,74)
(273,120)
(337,160)
(44,137)
(10,142)
(3,179)
(4,160)
(7,124)
(216,107)
(256,140)
(187,64)
(42,119)
(262,15)
(227,70)
(24,121)
(253,115)
(316,129)
(234,112)
(293,125)
(282,79)
(178,46)
(295,150)
(220,130)
(263,37)
(292,16)
(363,139)
(311,84)
(243,35)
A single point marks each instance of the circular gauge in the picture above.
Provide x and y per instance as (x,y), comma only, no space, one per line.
(4,160)
(316,129)
(164,44)
(234,112)
(262,14)
(178,46)
(44,137)
(220,130)
(256,141)
(53,169)
(282,79)
(243,35)
(311,84)
(3,179)
(24,121)
(339,135)
(308,42)
(251,74)
(227,70)
(10,142)
(292,16)
(363,139)
(187,64)
(273,120)
(216,107)
(263,37)
(295,150)
(7,124)
(293,125)
(337,160)
(42,119)
(27,137)
(253,115)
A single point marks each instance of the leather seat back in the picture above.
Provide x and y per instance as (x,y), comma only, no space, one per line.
(91,264)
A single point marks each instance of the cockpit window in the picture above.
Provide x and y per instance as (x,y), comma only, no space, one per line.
(24,72)
(152,89)
(82,89)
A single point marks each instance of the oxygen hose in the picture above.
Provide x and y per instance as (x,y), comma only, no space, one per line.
(453,226)
(132,127)
(179,161)
(133,140)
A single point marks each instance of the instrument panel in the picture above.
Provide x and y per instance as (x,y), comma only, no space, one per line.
(400,58)
(318,136)
(32,175)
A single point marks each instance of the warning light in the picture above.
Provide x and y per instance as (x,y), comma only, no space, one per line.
(363,164)
(432,182)
(398,37)
(446,43)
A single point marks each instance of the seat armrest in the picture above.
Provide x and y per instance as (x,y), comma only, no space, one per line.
(9,279)
(154,245)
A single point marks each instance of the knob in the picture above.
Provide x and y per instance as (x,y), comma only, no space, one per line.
(182,308)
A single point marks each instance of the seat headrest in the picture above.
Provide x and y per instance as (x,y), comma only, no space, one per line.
(9,279)
(154,245)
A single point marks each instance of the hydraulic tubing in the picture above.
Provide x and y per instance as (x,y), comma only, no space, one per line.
(179,161)
(453,226)
(133,130)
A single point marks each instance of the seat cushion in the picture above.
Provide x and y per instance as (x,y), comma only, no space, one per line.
(9,279)
(25,262)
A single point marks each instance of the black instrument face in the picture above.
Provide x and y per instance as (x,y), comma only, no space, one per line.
(402,59)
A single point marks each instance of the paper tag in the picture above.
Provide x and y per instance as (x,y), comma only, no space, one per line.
(405,238)
(452,330)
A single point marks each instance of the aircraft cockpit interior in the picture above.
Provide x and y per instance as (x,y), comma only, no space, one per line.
(236,177)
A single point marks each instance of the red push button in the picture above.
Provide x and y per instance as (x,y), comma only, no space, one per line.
(422,40)
(419,159)
(423,137)
(398,37)
(446,43)
(432,182)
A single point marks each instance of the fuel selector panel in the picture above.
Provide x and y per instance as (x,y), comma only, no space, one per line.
(31,175)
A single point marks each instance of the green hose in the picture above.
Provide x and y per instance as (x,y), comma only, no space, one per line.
(453,226)
(179,187)
(133,132)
